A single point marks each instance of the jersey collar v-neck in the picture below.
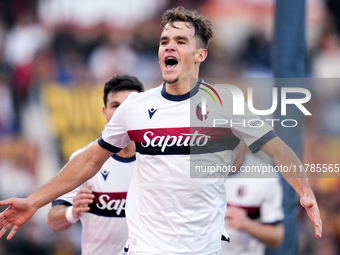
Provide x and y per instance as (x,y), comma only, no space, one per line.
(183,97)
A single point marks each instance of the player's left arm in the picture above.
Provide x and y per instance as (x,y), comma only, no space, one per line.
(283,155)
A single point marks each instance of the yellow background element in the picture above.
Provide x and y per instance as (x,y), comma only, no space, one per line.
(75,115)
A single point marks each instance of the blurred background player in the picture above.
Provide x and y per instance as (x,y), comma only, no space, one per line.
(103,197)
(254,209)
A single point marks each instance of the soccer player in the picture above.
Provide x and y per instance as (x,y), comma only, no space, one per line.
(168,212)
(103,197)
(254,213)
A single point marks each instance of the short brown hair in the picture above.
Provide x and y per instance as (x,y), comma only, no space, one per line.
(201,24)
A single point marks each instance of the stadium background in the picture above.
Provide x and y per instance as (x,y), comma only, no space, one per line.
(55,56)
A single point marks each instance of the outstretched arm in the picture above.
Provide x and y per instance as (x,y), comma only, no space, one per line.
(81,168)
(284,156)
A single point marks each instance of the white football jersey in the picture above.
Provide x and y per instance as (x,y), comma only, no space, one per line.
(173,207)
(104,227)
(261,198)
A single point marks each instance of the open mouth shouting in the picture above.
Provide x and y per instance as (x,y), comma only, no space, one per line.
(170,63)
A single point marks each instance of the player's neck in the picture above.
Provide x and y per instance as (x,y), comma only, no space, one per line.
(128,151)
(181,88)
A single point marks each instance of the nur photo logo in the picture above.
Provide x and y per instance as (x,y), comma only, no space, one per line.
(279,98)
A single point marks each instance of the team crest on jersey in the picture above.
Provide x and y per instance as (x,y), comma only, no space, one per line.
(200,113)
(241,192)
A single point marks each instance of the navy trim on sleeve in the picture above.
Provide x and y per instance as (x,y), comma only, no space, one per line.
(108,146)
(255,146)
(273,223)
(61,202)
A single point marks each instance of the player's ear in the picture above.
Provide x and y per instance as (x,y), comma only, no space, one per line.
(201,55)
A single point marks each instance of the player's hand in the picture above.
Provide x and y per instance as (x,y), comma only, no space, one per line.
(236,217)
(17,214)
(81,201)
(313,212)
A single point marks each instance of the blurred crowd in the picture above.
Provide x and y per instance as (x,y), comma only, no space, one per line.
(55,56)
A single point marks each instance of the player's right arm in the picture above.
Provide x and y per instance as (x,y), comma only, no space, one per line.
(284,156)
(81,168)
(61,217)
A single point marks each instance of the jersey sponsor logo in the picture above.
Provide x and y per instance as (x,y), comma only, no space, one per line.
(109,204)
(183,140)
(151,111)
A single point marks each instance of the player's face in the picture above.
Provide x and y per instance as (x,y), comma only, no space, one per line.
(179,55)
(113,101)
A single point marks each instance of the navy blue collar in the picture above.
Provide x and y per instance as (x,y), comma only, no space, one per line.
(183,97)
(124,160)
